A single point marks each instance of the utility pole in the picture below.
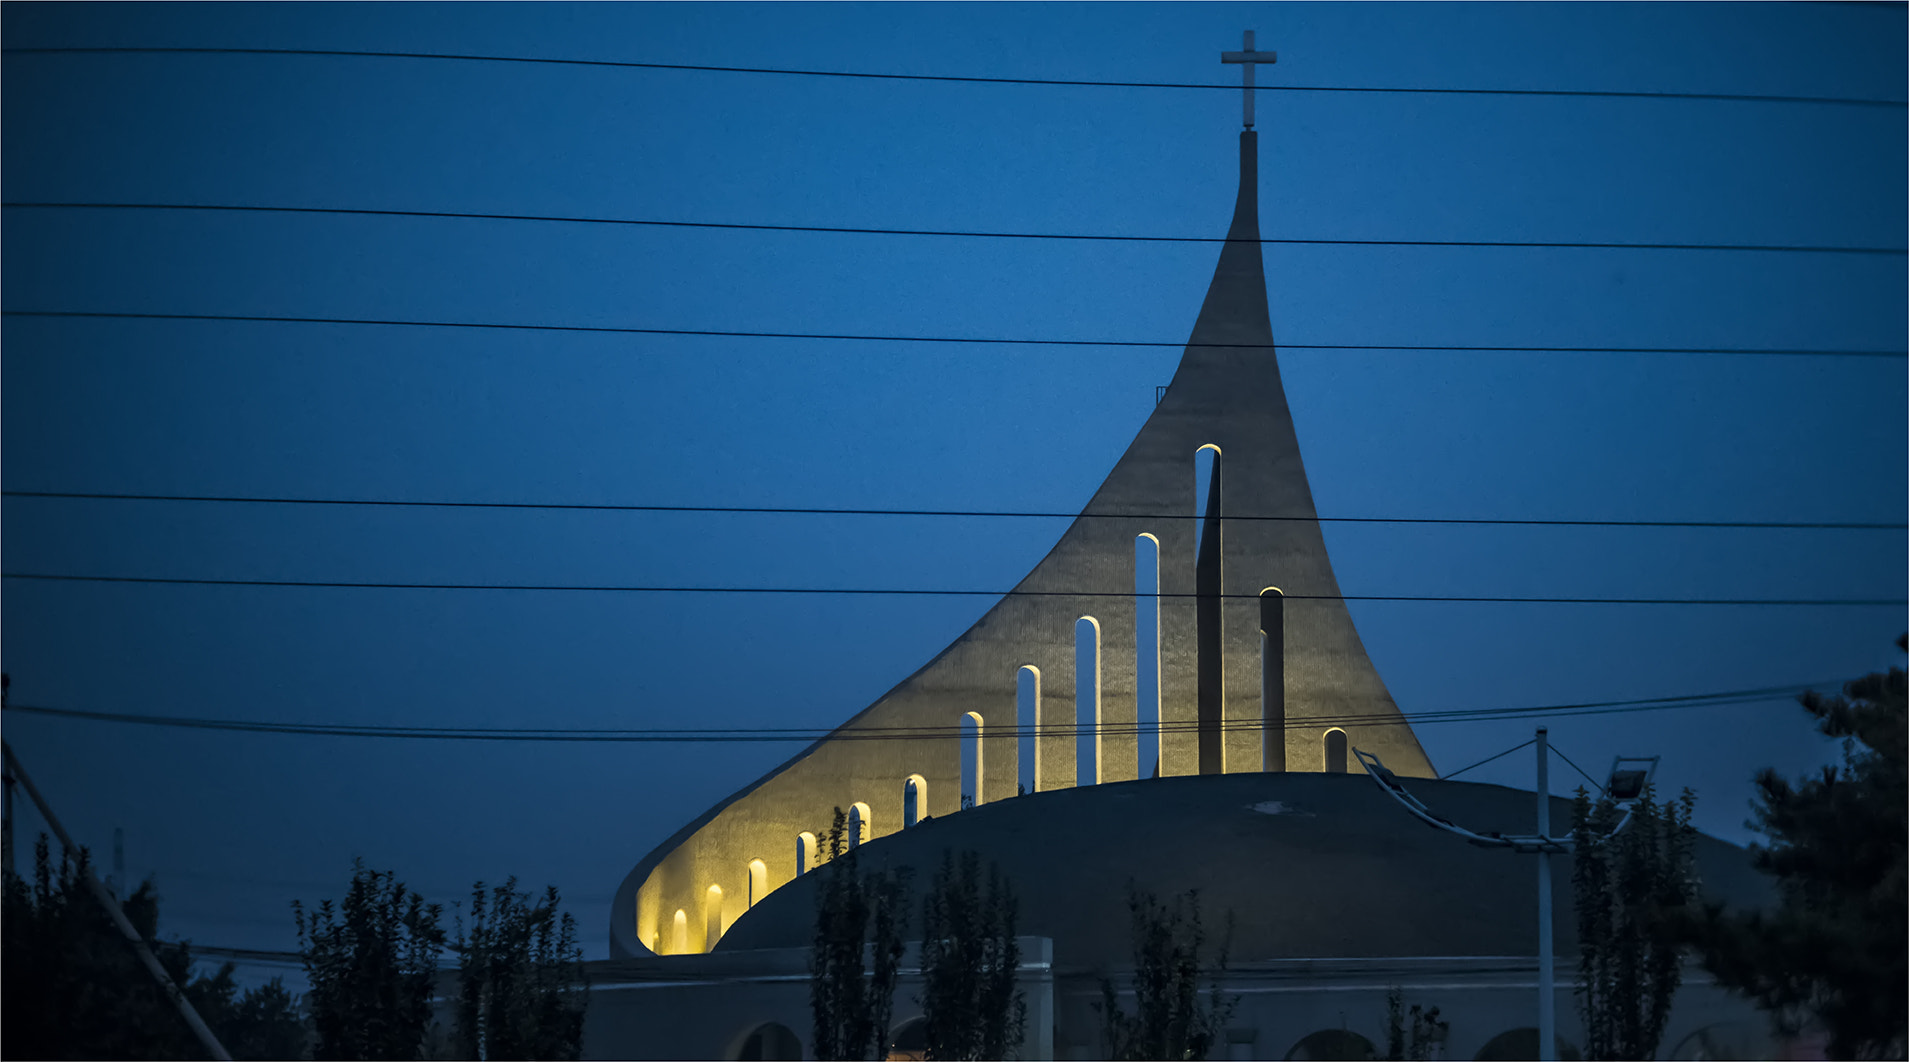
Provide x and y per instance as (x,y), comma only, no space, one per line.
(119,863)
(1547,995)
(100,893)
(6,823)
(6,810)
(1626,785)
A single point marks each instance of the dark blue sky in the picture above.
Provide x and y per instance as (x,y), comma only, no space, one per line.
(233,826)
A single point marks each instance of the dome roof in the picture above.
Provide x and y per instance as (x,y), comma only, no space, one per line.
(1309,866)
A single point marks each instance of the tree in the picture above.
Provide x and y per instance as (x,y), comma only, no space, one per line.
(1830,954)
(73,987)
(970,1008)
(1626,886)
(1418,1040)
(521,990)
(852,1003)
(372,964)
(1169,1019)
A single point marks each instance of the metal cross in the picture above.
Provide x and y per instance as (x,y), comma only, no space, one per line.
(1249,57)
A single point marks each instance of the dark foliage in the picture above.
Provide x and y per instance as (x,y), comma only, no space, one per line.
(850,1001)
(71,986)
(970,1008)
(1830,955)
(1417,1035)
(521,988)
(372,962)
(1628,886)
(1170,1020)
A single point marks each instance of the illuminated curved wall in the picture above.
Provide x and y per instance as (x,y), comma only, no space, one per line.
(1227,395)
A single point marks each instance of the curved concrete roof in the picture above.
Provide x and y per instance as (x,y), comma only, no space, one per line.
(1311,866)
(1227,705)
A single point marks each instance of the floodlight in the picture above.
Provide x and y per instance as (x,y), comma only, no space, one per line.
(1629,776)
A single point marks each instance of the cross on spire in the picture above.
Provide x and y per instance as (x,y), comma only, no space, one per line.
(1248,58)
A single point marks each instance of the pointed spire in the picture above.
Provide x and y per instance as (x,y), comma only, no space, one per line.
(1235,309)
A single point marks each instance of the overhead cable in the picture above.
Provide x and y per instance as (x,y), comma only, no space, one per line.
(1488,759)
(924,592)
(1734,97)
(716,735)
(975,513)
(968,233)
(977,340)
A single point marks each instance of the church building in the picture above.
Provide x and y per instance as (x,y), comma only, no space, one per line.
(1171,698)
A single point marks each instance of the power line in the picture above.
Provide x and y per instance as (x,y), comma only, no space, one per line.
(972,234)
(975,513)
(923,592)
(1599,786)
(719,735)
(962,79)
(1488,759)
(977,340)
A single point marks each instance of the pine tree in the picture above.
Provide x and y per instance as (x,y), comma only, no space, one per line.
(1627,886)
(851,1003)
(521,986)
(1830,955)
(1169,1021)
(372,964)
(73,987)
(969,956)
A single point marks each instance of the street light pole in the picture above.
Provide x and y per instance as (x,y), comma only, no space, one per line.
(1547,998)
(1630,776)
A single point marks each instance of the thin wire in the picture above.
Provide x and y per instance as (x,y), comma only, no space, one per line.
(975,513)
(963,79)
(863,231)
(720,735)
(1486,760)
(978,340)
(920,592)
(1574,766)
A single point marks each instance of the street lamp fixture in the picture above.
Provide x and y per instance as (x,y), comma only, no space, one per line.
(1629,777)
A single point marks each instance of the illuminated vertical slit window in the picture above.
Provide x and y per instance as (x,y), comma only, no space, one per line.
(1087,700)
(1335,751)
(1209,554)
(914,797)
(1027,719)
(804,852)
(679,933)
(971,760)
(1146,650)
(1272,679)
(858,824)
(712,917)
(758,881)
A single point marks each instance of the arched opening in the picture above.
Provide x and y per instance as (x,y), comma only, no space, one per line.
(1728,1039)
(712,917)
(769,1041)
(679,933)
(1209,587)
(1523,1043)
(858,824)
(1086,701)
(1027,719)
(914,797)
(909,1041)
(1272,679)
(971,760)
(804,852)
(1146,650)
(1333,1044)
(1335,751)
(758,881)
